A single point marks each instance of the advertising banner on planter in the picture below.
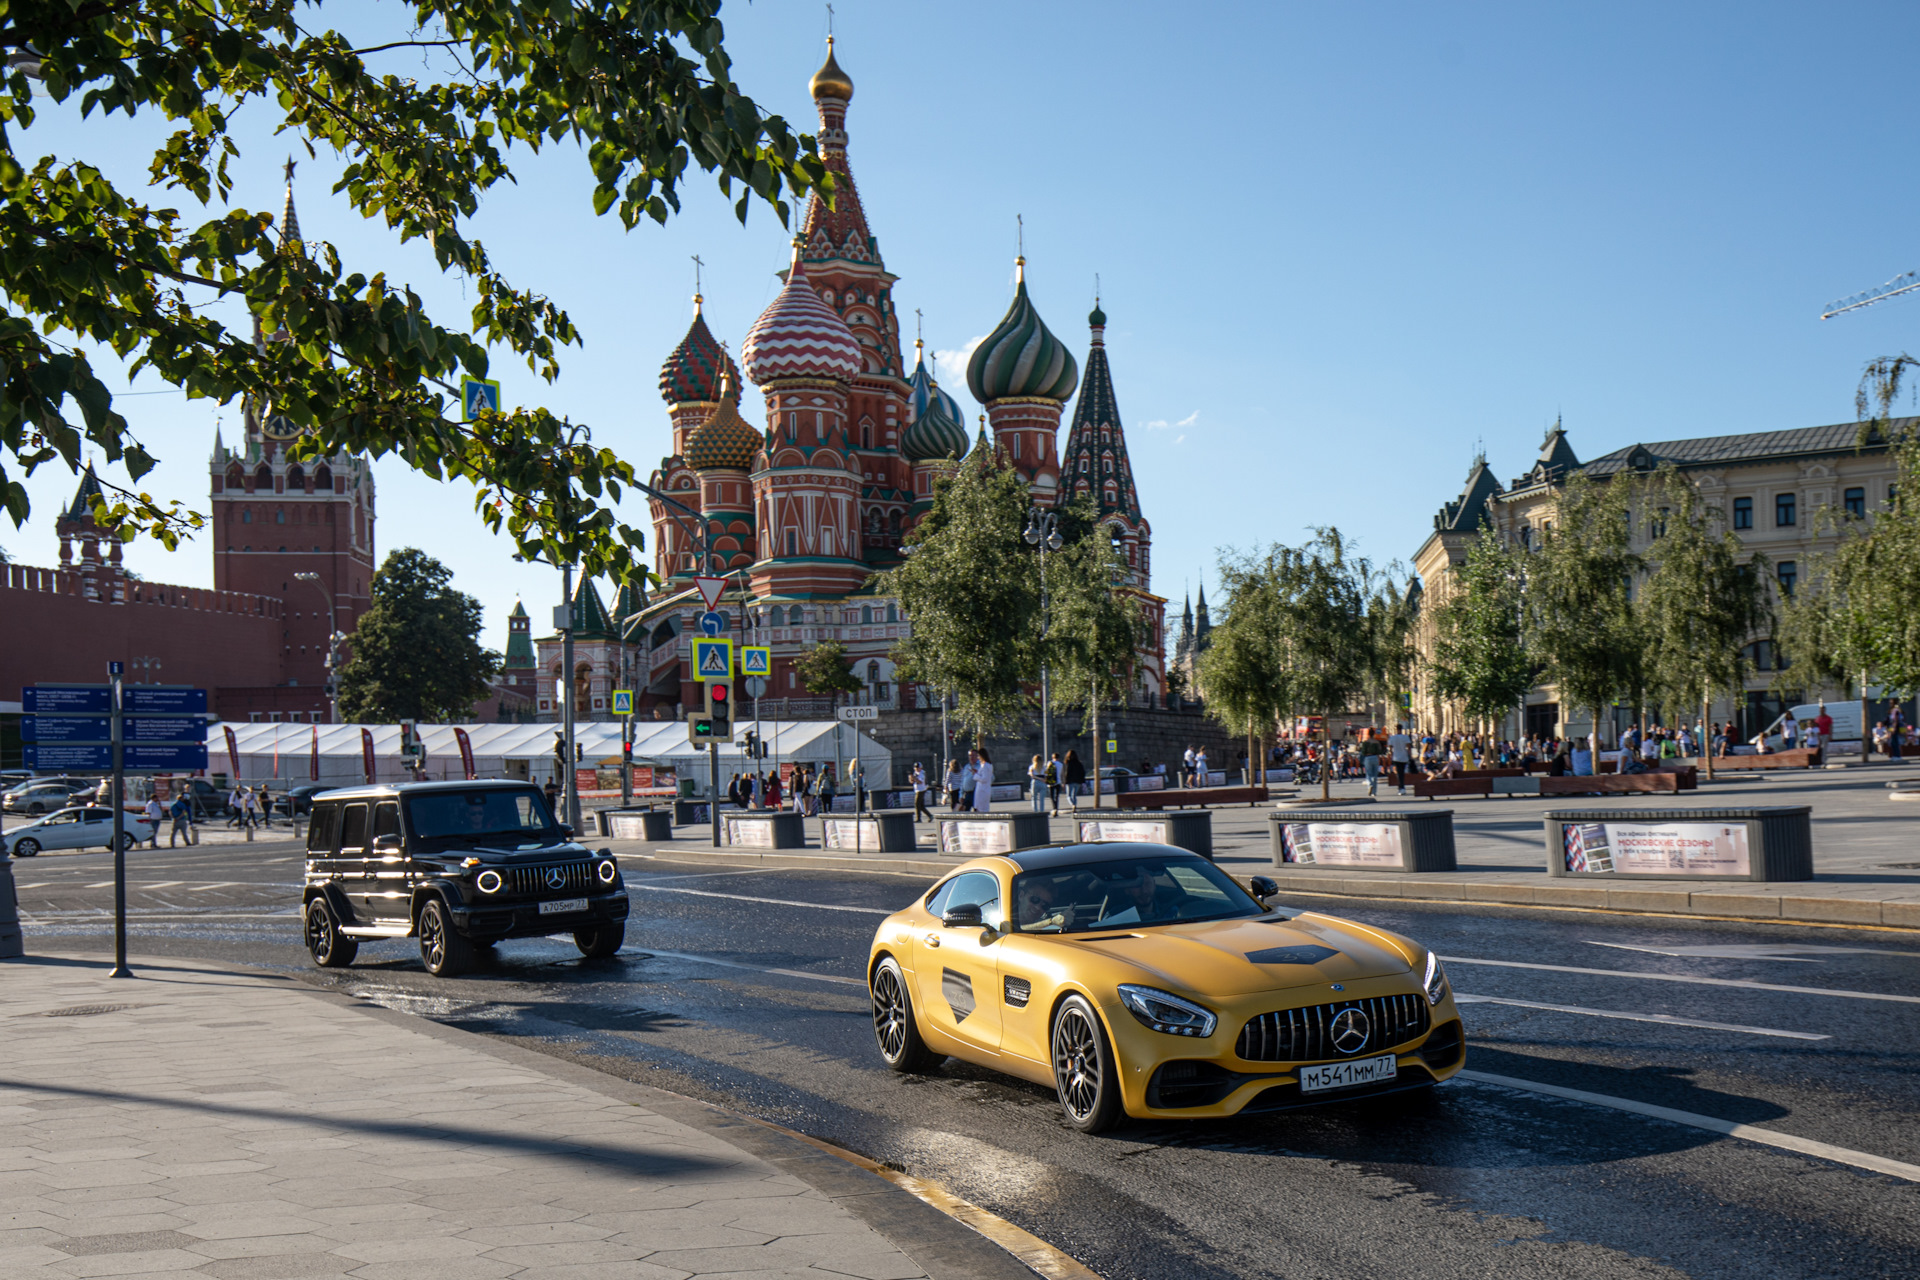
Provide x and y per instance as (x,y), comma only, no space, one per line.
(957,835)
(1135,831)
(851,833)
(1342,844)
(1656,848)
(748,833)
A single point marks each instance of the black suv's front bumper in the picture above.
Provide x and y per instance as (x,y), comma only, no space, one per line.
(522,918)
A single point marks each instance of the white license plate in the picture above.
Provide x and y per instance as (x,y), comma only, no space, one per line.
(1345,1075)
(565,906)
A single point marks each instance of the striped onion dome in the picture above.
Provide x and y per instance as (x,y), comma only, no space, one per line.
(692,373)
(725,441)
(936,431)
(799,336)
(1021,358)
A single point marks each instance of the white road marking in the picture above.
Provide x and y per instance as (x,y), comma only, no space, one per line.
(104,884)
(1688,978)
(1758,951)
(162,884)
(1766,1137)
(1666,1018)
(776,902)
(705,875)
(735,964)
(202,888)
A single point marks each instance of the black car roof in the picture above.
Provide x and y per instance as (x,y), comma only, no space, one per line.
(1047,856)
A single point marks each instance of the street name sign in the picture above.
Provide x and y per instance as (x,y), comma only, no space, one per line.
(710,589)
(756,660)
(858,713)
(712,660)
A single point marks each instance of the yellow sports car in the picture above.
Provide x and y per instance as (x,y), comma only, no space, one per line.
(1142,980)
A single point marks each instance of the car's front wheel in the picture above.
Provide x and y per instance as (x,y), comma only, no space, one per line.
(1084,1073)
(26,848)
(600,942)
(893,1025)
(329,948)
(445,953)
(128,840)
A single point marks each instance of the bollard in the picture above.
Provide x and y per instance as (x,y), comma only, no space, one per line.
(12,944)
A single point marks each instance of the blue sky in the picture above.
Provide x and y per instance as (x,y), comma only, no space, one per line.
(1342,246)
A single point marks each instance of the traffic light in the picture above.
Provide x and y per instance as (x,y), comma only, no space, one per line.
(753,745)
(715,724)
(626,745)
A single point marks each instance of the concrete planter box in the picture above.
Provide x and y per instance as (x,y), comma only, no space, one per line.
(1773,842)
(975,835)
(637,824)
(763,829)
(1190,829)
(692,813)
(1363,839)
(870,833)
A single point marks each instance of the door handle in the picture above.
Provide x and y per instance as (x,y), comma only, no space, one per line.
(932,939)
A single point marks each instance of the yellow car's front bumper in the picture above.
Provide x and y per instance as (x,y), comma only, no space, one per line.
(1181,1077)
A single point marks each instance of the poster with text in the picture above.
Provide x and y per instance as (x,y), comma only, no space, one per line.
(957,835)
(1657,848)
(1341,844)
(851,833)
(1135,832)
(749,833)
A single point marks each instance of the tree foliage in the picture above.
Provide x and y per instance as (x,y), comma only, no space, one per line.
(1580,614)
(416,650)
(425,114)
(1480,656)
(825,668)
(1093,629)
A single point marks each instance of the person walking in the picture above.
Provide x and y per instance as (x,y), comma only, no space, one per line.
(968,772)
(954,779)
(1076,777)
(154,814)
(1056,772)
(1200,776)
(983,783)
(237,806)
(826,788)
(1399,747)
(1037,785)
(857,780)
(1371,752)
(920,809)
(182,814)
(253,809)
(773,791)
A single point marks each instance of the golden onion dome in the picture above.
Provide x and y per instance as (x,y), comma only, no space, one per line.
(725,441)
(830,81)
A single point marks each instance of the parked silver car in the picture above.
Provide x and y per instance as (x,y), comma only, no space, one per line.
(81,828)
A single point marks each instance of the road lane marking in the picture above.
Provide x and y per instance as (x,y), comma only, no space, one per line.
(223,884)
(162,884)
(755,968)
(104,884)
(1758,951)
(1689,978)
(1665,1018)
(1766,1137)
(776,902)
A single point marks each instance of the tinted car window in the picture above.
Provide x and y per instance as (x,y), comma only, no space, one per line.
(320,827)
(353,828)
(386,820)
(1135,891)
(515,812)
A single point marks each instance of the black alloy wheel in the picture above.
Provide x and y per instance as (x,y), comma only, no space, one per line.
(893,1024)
(600,941)
(1084,1074)
(445,953)
(329,948)
(26,848)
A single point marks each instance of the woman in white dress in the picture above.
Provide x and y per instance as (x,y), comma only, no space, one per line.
(983,785)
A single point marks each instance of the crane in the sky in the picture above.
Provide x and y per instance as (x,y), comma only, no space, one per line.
(1891,289)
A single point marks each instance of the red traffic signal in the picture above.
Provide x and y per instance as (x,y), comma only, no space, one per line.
(719,693)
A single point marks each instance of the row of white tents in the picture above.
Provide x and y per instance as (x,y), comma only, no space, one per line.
(288,754)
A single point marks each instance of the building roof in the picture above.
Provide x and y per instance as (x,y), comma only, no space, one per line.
(937,430)
(1470,510)
(590,615)
(1021,358)
(691,374)
(81,508)
(800,336)
(1096,451)
(725,441)
(1758,446)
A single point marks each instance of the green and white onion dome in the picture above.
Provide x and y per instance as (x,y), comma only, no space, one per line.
(1021,358)
(936,431)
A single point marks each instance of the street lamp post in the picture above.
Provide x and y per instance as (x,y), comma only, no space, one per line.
(333,647)
(1043,535)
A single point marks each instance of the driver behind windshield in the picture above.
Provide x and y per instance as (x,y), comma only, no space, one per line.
(1115,894)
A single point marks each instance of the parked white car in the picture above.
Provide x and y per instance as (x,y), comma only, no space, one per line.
(83,828)
(1845,716)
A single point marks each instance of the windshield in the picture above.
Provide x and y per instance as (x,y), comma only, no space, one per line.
(1135,891)
(517,812)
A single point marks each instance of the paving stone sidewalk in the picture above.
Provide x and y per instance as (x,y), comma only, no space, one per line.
(194,1121)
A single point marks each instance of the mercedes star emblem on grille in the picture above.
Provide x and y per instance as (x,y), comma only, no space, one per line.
(557,879)
(1350,1030)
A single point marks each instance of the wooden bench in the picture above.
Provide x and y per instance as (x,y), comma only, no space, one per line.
(1804,758)
(1431,787)
(1183,797)
(1493,773)
(1611,784)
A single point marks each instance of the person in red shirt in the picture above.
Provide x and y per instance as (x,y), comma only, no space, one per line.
(1825,723)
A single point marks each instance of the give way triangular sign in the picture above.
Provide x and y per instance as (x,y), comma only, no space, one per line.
(710,589)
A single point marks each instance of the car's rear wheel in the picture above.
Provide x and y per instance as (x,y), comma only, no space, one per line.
(1084,1073)
(445,953)
(894,1027)
(329,948)
(128,840)
(600,942)
(26,848)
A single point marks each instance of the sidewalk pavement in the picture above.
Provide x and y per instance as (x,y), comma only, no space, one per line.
(201,1121)
(1866,855)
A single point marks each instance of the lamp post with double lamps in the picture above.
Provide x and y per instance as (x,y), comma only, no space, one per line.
(1043,535)
(333,647)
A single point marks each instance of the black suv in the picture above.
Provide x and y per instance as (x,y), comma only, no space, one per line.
(460,865)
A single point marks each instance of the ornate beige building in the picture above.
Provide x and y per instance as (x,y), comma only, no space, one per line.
(1771,485)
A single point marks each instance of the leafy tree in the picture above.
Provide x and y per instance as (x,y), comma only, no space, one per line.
(1242,672)
(1480,654)
(645,93)
(1579,595)
(1703,602)
(416,650)
(825,668)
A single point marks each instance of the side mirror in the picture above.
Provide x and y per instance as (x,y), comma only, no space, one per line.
(1264,887)
(965,916)
(387,844)
(566,831)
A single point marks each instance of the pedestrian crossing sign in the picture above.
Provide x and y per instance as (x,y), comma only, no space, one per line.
(712,659)
(623,702)
(756,660)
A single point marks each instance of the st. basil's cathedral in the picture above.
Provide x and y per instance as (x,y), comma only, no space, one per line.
(802,512)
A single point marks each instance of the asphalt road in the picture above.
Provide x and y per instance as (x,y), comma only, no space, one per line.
(744,988)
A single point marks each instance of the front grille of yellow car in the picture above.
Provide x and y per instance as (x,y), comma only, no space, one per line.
(1307,1035)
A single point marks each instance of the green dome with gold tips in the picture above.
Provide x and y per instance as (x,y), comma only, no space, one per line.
(1021,359)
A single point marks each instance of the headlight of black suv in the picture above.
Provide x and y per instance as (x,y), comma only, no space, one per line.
(488,881)
(1166,1012)
(606,870)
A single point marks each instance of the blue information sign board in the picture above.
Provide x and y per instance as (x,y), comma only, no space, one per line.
(141,757)
(68,700)
(66,755)
(160,699)
(100,729)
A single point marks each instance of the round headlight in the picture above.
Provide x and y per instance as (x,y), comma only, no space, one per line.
(488,881)
(607,871)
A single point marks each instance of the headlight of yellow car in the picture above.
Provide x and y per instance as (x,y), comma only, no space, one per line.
(1164,1011)
(1435,981)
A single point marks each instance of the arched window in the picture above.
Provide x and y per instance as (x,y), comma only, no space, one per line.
(893,523)
(1084,464)
(279,515)
(893,613)
(323,478)
(263,478)
(873,673)
(795,616)
(236,478)
(246,515)
(297,477)
(866,614)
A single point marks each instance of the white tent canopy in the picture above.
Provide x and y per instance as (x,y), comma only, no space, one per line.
(282,753)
